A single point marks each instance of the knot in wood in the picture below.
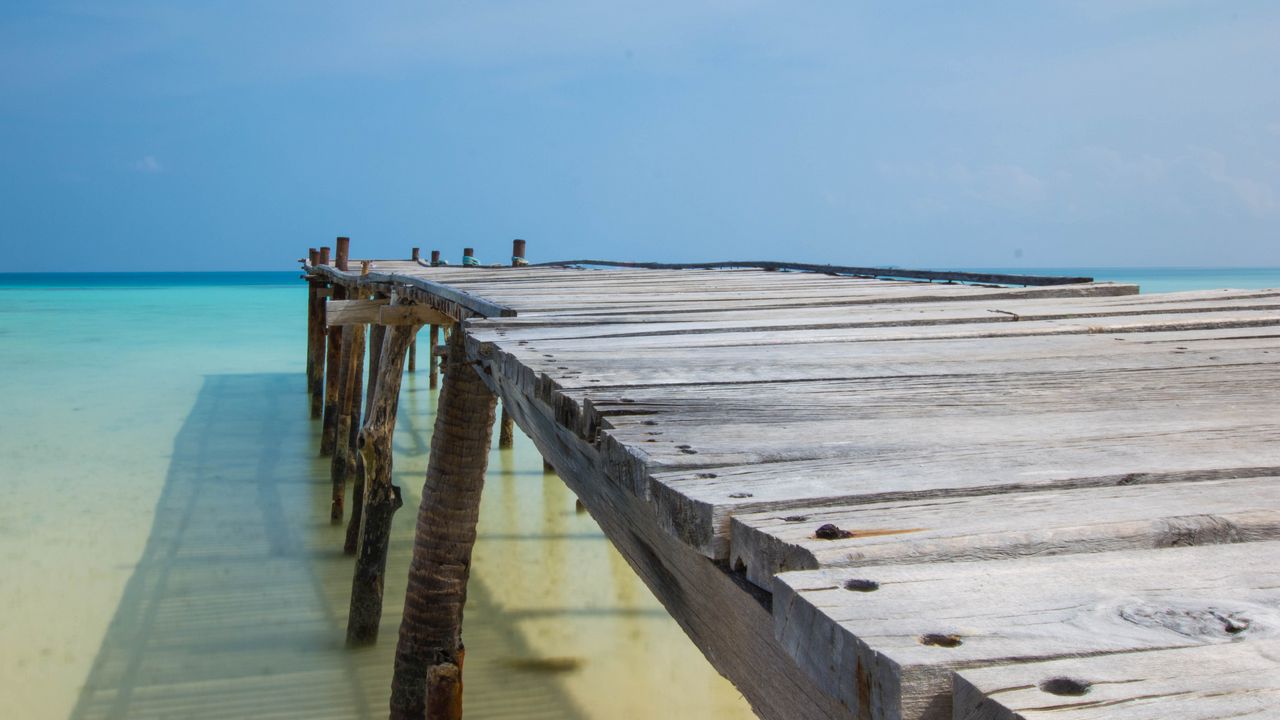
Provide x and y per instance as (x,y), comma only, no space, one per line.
(1192,622)
(1066,686)
(831,532)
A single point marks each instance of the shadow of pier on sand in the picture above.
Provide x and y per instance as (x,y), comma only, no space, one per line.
(238,605)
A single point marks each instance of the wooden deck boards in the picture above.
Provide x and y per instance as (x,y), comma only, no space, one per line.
(714,420)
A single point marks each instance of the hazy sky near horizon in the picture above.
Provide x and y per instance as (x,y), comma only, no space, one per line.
(232,135)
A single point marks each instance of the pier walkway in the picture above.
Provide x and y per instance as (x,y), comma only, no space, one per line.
(877,498)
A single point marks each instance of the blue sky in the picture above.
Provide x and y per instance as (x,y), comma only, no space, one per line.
(232,135)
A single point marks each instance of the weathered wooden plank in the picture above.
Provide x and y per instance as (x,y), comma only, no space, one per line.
(378,311)
(352,312)
(885,460)
(985,528)
(384,282)
(727,619)
(411,315)
(885,639)
(626,367)
(856,310)
(1231,680)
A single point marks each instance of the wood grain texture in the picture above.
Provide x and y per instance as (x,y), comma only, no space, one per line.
(1086,520)
(381,498)
(1239,680)
(899,630)
(430,630)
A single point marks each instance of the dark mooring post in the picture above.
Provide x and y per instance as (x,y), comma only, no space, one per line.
(430,631)
(381,497)
(506,426)
(433,337)
(329,426)
(315,338)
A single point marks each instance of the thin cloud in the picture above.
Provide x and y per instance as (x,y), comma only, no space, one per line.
(149,165)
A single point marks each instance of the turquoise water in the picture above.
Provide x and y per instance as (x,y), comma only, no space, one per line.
(166,545)
(165,534)
(1159,280)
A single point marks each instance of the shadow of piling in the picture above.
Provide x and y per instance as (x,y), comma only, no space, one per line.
(238,606)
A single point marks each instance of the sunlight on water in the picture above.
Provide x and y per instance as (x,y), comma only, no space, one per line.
(168,552)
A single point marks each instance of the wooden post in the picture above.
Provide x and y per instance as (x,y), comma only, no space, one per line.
(430,631)
(315,339)
(345,466)
(433,336)
(350,368)
(507,426)
(329,426)
(377,336)
(342,252)
(381,497)
(415,254)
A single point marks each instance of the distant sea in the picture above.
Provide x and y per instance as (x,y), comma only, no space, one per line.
(1171,279)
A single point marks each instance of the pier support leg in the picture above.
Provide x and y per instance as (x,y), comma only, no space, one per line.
(315,342)
(433,363)
(350,390)
(430,632)
(413,354)
(329,429)
(506,430)
(377,335)
(381,497)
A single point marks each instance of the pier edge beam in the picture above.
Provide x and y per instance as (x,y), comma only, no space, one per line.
(381,497)
(430,631)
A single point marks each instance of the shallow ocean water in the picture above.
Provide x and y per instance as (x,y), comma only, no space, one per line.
(165,541)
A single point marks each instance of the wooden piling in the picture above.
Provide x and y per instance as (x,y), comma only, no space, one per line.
(430,631)
(329,426)
(433,337)
(507,426)
(377,336)
(315,339)
(345,465)
(342,252)
(381,497)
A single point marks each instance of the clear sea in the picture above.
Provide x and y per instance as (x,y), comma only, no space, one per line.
(166,546)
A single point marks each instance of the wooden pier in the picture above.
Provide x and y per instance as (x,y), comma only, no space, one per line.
(860,496)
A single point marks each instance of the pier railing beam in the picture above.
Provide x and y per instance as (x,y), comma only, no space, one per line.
(430,631)
(381,497)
